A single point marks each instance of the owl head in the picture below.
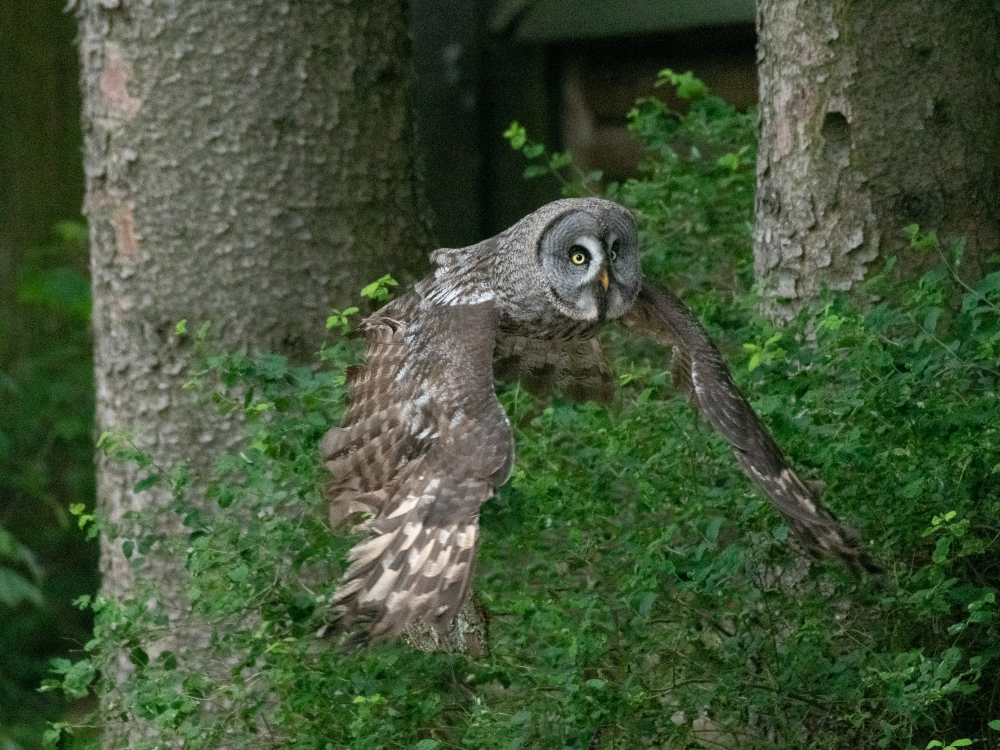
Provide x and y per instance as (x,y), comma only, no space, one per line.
(589,255)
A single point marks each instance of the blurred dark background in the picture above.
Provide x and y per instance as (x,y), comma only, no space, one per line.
(568,70)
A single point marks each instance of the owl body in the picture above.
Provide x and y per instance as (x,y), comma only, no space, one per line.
(425,440)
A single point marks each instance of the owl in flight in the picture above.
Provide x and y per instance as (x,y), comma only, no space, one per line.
(425,441)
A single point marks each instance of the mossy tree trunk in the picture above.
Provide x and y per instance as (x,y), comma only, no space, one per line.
(873,116)
(249,164)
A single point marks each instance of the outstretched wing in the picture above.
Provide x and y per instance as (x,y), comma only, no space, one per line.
(423,444)
(699,370)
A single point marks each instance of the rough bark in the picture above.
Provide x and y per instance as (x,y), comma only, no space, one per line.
(248,163)
(873,116)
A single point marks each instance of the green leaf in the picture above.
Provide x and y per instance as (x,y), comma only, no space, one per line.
(688,87)
(378,290)
(941,550)
(516,134)
(729,161)
(339,318)
(712,530)
(78,679)
(181,328)
(533,150)
(147,482)
(61,666)
(139,657)
(920,241)
(560,160)
(146,543)
(51,737)
(931,319)
(646,603)
(521,717)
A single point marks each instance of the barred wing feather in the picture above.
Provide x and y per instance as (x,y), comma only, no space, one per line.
(423,445)
(699,370)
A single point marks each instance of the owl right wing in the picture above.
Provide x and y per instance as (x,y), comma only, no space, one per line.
(423,445)
(699,370)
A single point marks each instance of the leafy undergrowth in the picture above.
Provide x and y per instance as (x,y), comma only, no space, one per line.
(46,464)
(641,591)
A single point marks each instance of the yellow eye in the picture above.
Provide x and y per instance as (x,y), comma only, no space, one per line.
(614,255)
(579,258)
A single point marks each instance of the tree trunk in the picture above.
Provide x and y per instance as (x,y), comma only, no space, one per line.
(247,163)
(873,116)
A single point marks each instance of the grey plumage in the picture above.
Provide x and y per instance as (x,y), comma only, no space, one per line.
(425,441)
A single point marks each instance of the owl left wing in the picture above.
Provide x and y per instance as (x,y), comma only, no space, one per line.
(424,443)
(699,370)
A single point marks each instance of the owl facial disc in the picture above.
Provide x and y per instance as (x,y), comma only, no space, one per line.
(591,263)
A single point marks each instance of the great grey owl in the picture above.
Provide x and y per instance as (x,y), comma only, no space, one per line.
(425,441)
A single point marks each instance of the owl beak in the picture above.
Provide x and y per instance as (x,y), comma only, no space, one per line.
(602,296)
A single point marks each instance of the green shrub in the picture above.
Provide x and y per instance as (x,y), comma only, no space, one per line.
(641,590)
(46,464)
